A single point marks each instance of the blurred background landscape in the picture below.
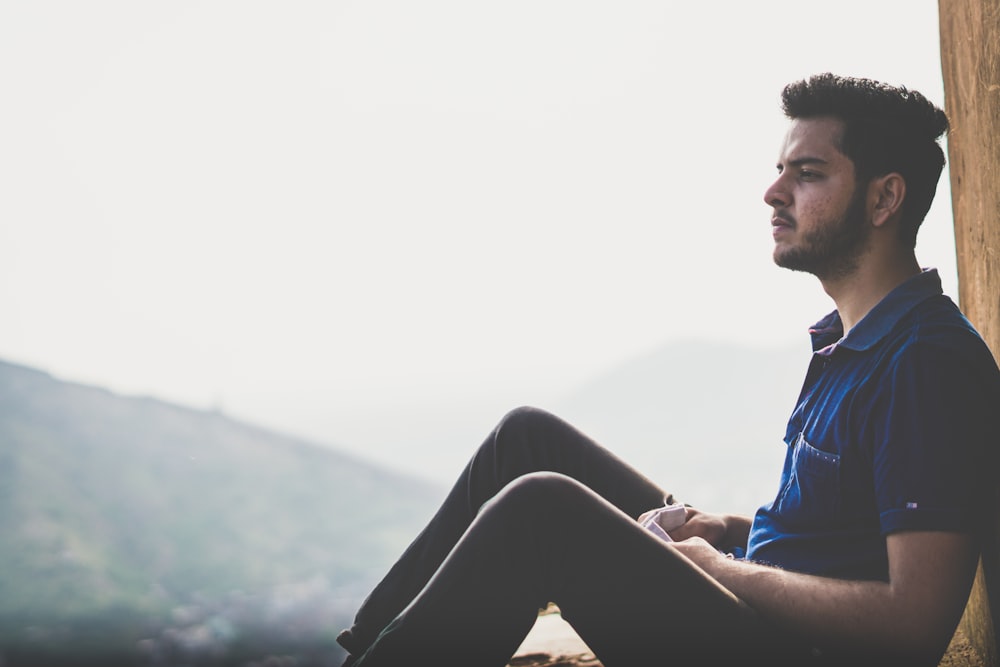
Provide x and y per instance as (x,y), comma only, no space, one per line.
(141,532)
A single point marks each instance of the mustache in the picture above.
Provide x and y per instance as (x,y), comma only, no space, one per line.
(783,217)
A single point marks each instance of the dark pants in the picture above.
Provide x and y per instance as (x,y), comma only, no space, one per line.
(544,514)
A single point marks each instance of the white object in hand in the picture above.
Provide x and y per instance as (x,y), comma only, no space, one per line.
(666,518)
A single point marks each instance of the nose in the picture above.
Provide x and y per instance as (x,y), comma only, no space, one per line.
(777,194)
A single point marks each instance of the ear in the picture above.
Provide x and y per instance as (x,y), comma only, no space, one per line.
(885,198)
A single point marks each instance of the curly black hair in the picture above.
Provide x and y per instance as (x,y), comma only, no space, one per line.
(886,129)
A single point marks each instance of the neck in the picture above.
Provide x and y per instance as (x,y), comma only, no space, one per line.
(858,292)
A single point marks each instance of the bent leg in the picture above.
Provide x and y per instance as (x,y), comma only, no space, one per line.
(546,537)
(526,440)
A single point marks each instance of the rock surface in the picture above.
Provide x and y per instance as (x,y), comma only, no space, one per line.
(553,643)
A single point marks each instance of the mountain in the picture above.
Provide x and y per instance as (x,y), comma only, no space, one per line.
(703,419)
(159,534)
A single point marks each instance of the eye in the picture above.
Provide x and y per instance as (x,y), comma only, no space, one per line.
(809,175)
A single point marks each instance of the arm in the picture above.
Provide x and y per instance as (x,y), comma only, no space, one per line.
(913,615)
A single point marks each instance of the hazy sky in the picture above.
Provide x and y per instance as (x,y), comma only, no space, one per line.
(312,213)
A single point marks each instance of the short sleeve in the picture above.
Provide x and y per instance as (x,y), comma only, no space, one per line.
(934,436)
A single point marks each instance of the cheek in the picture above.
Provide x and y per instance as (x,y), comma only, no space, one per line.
(816,210)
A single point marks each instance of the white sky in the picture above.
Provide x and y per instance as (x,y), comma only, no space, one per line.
(309,212)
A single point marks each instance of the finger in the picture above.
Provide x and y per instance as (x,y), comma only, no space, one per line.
(682,532)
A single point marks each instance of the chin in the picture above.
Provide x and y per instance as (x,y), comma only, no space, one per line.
(781,257)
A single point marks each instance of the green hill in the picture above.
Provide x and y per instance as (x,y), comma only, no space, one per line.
(160,535)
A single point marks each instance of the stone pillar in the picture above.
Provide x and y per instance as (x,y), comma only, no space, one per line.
(970,63)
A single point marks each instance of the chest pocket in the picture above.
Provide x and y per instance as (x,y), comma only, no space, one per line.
(811,497)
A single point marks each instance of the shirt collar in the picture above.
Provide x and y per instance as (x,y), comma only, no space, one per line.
(828,333)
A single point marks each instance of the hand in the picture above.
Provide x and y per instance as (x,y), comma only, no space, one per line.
(712,528)
(722,531)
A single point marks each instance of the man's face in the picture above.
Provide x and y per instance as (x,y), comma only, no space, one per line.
(819,222)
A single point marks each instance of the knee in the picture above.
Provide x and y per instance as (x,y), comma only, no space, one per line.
(538,508)
(523,425)
(523,418)
(542,492)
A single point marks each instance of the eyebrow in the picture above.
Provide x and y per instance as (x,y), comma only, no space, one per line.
(801,161)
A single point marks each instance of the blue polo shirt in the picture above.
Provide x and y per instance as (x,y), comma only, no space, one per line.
(896,428)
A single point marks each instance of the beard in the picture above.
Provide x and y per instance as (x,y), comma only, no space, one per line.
(833,250)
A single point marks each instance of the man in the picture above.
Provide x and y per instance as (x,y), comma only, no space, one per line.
(869,549)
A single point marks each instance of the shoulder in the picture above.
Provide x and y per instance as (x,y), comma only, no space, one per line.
(933,371)
(936,332)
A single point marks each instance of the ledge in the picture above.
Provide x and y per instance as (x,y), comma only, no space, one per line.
(552,642)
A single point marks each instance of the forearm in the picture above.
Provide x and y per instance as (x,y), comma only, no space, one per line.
(827,611)
(912,616)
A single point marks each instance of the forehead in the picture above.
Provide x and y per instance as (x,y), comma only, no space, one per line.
(813,138)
